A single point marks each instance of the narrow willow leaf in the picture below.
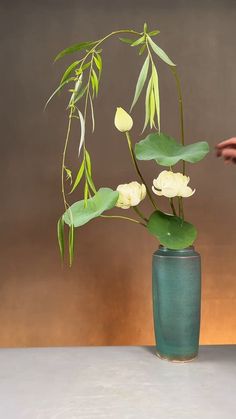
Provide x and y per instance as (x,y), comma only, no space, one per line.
(161,54)
(152,108)
(82,131)
(98,62)
(145,28)
(147,104)
(68,174)
(153,33)
(126,40)
(71,243)
(83,68)
(76,90)
(80,94)
(92,113)
(58,90)
(78,177)
(88,162)
(156,94)
(142,49)
(141,81)
(95,81)
(75,48)
(138,41)
(90,182)
(60,237)
(69,71)
(86,194)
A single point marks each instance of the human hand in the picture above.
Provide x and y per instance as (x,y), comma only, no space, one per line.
(227,150)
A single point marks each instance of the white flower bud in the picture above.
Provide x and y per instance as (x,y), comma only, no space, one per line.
(123,120)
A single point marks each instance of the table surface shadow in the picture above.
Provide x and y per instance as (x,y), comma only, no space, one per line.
(126,382)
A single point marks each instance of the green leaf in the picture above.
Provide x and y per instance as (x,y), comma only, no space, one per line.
(78,95)
(103,200)
(90,182)
(153,33)
(75,48)
(147,104)
(167,151)
(161,54)
(58,90)
(141,81)
(142,49)
(86,194)
(98,63)
(171,231)
(95,84)
(88,162)
(81,69)
(68,174)
(138,41)
(92,112)
(69,71)
(156,93)
(152,108)
(76,90)
(89,172)
(145,28)
(71,244)
(78,177)
(60,236)
(126,40)
(82,131)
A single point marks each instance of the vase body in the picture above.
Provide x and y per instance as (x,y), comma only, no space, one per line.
(177,303)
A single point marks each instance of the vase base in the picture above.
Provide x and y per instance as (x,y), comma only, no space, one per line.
(176,360)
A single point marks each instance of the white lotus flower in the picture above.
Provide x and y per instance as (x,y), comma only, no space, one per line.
(130,194)
(171,184)
(123,120)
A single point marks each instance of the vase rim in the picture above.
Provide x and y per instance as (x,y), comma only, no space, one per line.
(189,248)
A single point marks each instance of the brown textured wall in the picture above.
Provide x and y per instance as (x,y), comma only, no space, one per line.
(105,299)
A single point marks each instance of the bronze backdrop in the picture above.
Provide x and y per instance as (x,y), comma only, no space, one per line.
(105,299)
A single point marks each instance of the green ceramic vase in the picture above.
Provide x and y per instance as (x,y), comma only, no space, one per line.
(177,303)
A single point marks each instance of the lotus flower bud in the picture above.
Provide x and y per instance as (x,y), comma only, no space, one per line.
(123,120)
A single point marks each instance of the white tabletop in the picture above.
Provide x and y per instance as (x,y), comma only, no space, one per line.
(116,383)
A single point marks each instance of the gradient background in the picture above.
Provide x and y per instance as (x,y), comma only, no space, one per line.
(105,299)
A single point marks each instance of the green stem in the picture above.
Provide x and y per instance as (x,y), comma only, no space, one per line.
(141,215)
(181,112)
(137,169)
(172,206)
(100,41)
(123,218)
(64,158)
(181,209)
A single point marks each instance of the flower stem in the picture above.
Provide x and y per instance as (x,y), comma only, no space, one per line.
(141,215)
(172,206)
(181,112)
(123,218)
(137,169)
(64,158)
